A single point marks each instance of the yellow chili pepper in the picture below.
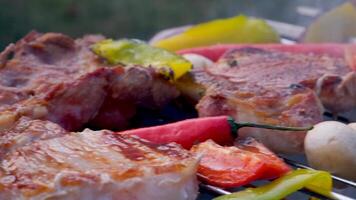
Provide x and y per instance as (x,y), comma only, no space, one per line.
(238,29)
(137,52)
(316,181)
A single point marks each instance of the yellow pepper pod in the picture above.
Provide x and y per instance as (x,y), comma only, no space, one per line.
(317,181)
(239,29)
(136,52)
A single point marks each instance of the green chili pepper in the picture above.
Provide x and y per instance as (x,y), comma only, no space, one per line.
(136,52)
(316,181)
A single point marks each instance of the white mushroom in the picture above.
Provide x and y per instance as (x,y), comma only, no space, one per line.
(331,146)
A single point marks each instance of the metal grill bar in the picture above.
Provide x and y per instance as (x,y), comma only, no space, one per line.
(298,165)
(214,189)
(287,31)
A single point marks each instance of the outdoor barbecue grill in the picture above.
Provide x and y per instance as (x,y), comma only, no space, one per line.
(178,109)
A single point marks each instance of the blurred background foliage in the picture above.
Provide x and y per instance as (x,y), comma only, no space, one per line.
(134,18)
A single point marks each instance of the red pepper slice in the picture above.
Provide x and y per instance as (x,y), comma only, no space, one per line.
(188,132)
(234,167)
(274,166)
(227,166)
(214,52)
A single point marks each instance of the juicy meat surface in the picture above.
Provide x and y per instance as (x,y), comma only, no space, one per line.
(25,131)
(330,76)
(92,165)
(136,87)
(54,77)
(274,87)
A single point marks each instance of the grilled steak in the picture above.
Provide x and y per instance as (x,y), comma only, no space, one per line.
(330,76)
(53,77)
(329,69)
(289,107)
(277,86)
(92,165)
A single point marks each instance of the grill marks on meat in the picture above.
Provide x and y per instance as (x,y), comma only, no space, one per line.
(274,87)
(283,85)
(93,165)
(46,78)
(329,76)
(25,131)
(300,110)
(51,76)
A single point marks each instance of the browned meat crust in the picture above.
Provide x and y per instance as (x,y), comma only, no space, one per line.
(51,76)
(268,86)
(329,76)
(40,162)
(26,131)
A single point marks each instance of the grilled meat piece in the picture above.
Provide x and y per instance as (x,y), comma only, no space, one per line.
(288,107)
(330,76)
(329,69)
(137,87)
(276,87)
(93,165)
(53,77)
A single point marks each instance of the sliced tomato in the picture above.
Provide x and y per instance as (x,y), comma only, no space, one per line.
(237,165)
(227,166)
(274,166)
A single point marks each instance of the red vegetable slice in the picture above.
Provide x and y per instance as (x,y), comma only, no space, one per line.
(227,166)
(188,132)
(274,166)
(214,52)
(238,165)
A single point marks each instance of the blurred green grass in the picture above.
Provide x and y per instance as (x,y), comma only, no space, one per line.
(130,18)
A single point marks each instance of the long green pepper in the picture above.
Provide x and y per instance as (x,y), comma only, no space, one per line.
(316,181)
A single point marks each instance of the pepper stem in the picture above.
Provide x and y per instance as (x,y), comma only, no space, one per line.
(235,126)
